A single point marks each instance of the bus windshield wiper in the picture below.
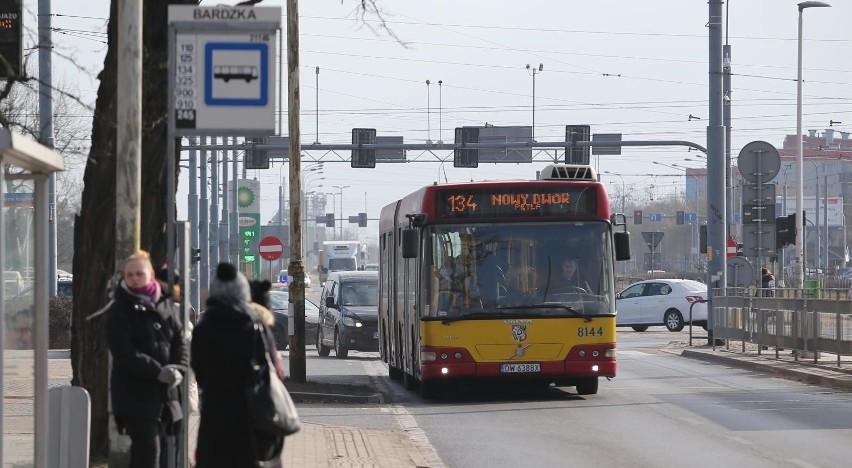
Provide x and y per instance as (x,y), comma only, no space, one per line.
(551,305)
(471,315)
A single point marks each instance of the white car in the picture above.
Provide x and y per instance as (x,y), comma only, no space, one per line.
(661,302)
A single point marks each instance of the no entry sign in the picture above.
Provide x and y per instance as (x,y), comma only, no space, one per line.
(271,248)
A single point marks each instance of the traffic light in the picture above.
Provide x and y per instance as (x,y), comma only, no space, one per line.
(362,219)
(329,220)
(679,217)
(785,232)
(466,157)
(637,216)
(702,238)
(11,37)
(195,255)
(577,154)
(363,157)
(256,158)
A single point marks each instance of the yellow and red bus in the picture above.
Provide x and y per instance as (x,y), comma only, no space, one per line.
(471,283)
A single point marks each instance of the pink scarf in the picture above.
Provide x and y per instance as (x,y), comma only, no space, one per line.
(151,291)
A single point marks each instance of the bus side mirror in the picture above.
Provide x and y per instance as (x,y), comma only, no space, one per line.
(409,243)
(622,245)
(329,301)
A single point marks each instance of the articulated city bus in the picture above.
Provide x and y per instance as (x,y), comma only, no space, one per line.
(474,282)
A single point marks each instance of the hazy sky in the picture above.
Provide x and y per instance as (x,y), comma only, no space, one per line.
(636,68)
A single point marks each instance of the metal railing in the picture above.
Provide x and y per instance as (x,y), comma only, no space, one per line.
(807,321)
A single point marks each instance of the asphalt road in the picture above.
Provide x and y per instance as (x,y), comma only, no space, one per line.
(661,410)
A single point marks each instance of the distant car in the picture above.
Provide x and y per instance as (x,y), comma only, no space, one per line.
(661,302)
(62,275)
(349,313)
(284,279)
(371,267)
(311,320)
(278,304)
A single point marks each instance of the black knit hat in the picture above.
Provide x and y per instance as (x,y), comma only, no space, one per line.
(229,285)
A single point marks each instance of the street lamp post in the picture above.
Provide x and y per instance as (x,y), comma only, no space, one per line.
(800,245)
(533,72)
(623,193)
(428,114)
(340,188)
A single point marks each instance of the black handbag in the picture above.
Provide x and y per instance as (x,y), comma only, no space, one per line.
(271,409)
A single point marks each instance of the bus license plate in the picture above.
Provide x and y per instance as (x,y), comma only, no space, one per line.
(515,368)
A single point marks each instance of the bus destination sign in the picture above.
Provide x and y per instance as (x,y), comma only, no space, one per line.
(515,201)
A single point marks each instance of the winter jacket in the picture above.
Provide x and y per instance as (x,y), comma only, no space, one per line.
(143,337)
(222,348)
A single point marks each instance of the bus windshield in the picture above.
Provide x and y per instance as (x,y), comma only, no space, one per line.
(520,269)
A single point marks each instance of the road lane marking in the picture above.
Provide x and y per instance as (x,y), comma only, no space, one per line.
(376,370)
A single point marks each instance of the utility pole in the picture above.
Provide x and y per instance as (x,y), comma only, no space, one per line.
(296,268)
(716,205)
(128,172)
(45,121)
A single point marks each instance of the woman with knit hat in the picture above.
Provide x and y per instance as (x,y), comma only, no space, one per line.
(146,339)
(223,346)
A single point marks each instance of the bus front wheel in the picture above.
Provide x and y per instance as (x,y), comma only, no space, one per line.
(587,386)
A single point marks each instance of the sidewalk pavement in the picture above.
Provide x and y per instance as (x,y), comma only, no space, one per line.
(825,372)
(328,446)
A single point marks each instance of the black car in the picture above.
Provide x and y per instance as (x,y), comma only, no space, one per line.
(278,302)
(278,305)
(349,313)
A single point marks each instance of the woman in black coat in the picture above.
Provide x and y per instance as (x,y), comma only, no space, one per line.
(223,346)
(146,339)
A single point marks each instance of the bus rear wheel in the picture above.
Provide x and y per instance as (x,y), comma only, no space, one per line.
(408,381)
(587,386)
(430,389)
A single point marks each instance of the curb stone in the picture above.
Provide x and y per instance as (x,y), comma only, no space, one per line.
(795,371)
(314,397)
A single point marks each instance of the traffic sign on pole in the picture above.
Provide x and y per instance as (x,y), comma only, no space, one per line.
(270,248)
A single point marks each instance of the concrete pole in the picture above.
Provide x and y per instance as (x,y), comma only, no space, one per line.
(716,205)
(204,227)
(192,212)
(45,120)
(825,264)
(296,267)
(800,202)
(225,237)
(128,175)
(817,249)
(726,121)
(235,213)
(214,208)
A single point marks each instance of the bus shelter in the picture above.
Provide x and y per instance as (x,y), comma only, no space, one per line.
(24,217)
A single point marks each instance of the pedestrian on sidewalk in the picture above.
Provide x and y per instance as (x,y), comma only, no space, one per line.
(767,282)
(150,357)
(223,348)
